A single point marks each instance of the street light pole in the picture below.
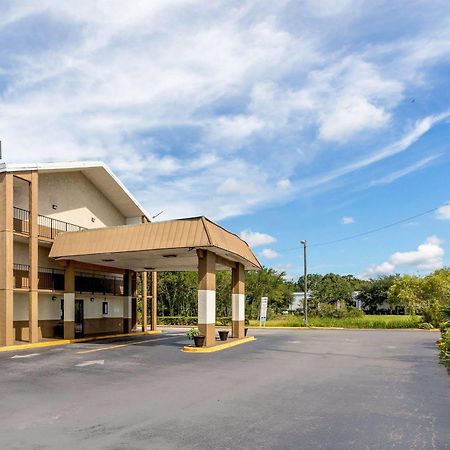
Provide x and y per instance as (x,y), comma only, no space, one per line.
(305,280)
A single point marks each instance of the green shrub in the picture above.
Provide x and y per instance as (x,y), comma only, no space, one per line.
(366,321)
(444,345)
(331,311)
(193,332)
(177,320)
(223,321)
(192,320)
(425,326)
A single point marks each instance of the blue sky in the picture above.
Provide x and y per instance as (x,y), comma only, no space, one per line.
(280,120)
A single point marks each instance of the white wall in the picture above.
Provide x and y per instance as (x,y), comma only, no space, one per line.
(93,310)
(20,256)
(20,308)
(20,253)
(20,193)
(77,201)
(50,310)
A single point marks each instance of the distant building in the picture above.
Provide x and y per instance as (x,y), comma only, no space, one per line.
(297,302)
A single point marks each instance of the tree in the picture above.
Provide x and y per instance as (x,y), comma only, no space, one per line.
(374,293)
(406,291)
(436,296)
(267,283)
(177,293)
(428,296)
(332,288)
(223,294)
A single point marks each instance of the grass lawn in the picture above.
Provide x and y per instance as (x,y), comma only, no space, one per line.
(367,321)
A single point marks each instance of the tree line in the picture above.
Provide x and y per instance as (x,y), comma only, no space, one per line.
(425,295)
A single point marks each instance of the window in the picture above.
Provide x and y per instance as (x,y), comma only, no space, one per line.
(62,309)
(105,308)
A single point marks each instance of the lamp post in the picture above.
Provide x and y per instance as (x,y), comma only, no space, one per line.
(305,280)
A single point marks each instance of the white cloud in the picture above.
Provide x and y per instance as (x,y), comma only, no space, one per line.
(284,184)
(405,171)
(428,256)
(233,89)
(443,213)
(352,115)
(268,253)
(347,220)
(421,127)
(255,238)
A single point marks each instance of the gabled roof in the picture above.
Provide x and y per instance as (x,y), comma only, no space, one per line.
(163,246)
(98,173)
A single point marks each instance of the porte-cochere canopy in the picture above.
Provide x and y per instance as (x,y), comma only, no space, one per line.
(161,246)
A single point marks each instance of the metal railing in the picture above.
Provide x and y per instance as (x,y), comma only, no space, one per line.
(47,226)
(99,284)
(48,279)
(21,275)
(21,220)
(51,279)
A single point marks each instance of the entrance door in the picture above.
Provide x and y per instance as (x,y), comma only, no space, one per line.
(79,318)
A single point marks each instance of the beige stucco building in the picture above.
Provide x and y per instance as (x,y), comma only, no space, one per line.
(73,238)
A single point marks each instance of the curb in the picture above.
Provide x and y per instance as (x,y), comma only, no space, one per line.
(217,348)
(343,328)
(11,348)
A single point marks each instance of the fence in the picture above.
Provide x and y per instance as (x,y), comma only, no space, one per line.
(48,279)
(99,284)
(47,226)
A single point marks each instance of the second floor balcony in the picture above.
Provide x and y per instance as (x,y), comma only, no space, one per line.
(48,227)
(53,280)
(49,279)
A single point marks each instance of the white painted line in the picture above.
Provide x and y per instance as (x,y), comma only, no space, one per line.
(91,363)
(25,356)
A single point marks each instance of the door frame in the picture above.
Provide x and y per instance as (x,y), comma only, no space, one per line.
(79,330)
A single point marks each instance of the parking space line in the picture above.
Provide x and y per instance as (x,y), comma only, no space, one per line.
(124,344)
(31,355)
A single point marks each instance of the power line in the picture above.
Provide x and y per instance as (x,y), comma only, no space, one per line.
(373,230)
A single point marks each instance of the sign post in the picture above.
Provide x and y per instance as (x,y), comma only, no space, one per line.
(263,311)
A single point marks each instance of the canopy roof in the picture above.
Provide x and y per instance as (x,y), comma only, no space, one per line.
(162,246)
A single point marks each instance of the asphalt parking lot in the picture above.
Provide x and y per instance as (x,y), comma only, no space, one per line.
(289,389)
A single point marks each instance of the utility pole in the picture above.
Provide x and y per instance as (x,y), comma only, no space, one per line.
(305,280)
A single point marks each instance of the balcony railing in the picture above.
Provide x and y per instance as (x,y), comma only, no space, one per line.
(99,284)
(53,280)
(48,279)
(47,226)
(21,274)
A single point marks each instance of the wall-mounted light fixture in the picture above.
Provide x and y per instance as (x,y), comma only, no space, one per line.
(92,299)
(54,206)
(54,299)
(92,219)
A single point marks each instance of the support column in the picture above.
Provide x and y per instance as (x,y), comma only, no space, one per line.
(154,312)
(33,248)
(238,301)
(134,302)
(207,295)
(6,260)
(69,301)
(144,301)
(127,301)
